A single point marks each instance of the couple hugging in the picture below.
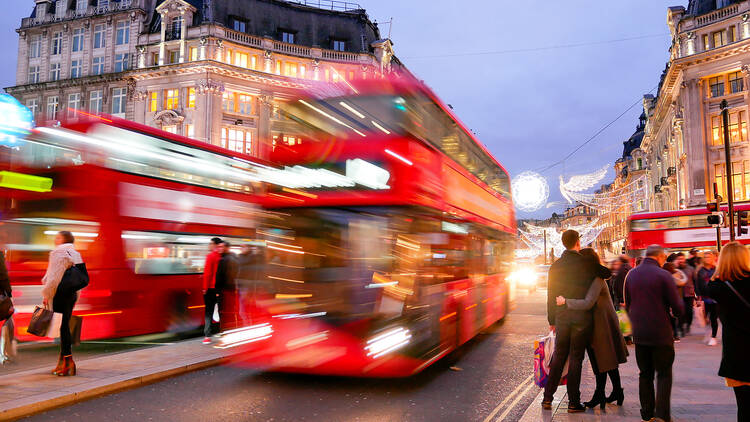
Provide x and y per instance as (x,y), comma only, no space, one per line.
(581,313)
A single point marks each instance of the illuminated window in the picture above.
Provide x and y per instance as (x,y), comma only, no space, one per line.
(278,67)
(122,33)
(75,69)
(57,43)
(287,37)
(193,54)
(236,140)
(97,65)
(174,56)
(717,86)
(170,129)
(719,179)
(339,45)
(706,46)
(732,34)
(302,71)
(228,102)
(78,39)
(254,62)
(74,103)
(191,98)
(154,102)
(95,101)
(737,127)
(190,131)
(119,98)
(246,104)
(736,83)
(291,69)
(100,32)
(738,187)
(229,56)
(716,132)
(171,99)
(240,59)
(155,59)
(718,38)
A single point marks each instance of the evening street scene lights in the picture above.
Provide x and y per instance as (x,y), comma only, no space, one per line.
(293,210)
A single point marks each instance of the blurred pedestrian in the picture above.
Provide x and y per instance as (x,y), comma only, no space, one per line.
(607,348)
(638,261)
(226,278)
(694,259)
(688,293)
(730,287)
(569,277)
(210,294)
(618,281)
(650,294)
(704,274)
(8,330)
(61,296)
(680,279)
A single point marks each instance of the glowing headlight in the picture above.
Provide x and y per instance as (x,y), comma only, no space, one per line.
(245,335)
(387,342)
(525,276)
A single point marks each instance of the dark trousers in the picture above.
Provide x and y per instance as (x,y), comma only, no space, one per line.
(659,360)
(743,403)
(211,298)
(572,335)
(713,316)
(601,377)
(687,316)
(63,302)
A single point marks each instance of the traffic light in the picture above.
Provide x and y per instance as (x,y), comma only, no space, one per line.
(716,219)
(742,222)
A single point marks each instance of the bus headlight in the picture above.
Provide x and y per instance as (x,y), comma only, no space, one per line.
(245,335)
(387,342)
(525,277)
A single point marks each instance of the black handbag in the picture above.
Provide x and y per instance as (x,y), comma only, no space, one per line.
(40,321)
(76,277)
(6,307)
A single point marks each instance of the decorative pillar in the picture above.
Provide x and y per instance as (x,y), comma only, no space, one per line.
(745,26)
(691,43)
(208,112)
(265,102)
(267,61)
(141,56)
(162,45)
(202,51)
(316,69)
(183,33)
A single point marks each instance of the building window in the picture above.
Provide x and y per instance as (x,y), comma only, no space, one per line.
(717,86)
(119,96)
(100,35)
(74,103)
(339,45)
(154,102)
(57,43)
(171,99)
(33,74)
(53,104)
(291,69)
(190,131)
(175,30)
(246,104)
(287,37)
(732,34)
(54,72)
(737,127)
(240,59)
(76,69)
(95,101)
(81,6)
(121,62)
(170,129)
(718,38)
(254,62)
(193,54)
(302,71)
(191,98)
(228,102)
(155,59)
(78,40)
(236,140)
(239,25)
(229,57)
(278,67)
(706,46)
(35,46)
(97,65)
(736,83)
(103,4)
(123,33)
(639,164)
(33,106)
(174,56)
(61,8)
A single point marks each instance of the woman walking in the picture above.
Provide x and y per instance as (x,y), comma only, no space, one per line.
(730,288)
(680,280)
(607,349)
(62,296)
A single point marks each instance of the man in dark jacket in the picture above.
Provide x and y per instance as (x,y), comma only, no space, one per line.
(570,277)
(650,292)
(618,281)
(226,275)
(688,293)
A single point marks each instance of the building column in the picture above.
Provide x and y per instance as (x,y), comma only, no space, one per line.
(162,44)
(208,112)
(183,33)
(265,141)
(745,26)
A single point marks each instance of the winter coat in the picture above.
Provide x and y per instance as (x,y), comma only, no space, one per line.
(60,259)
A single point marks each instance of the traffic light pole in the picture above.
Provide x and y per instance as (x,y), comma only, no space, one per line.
(717,197)
(728,173)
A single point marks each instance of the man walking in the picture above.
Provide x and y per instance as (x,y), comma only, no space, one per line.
(210,294)
(618,281)
(704,274)
(226,274)
(650,292)
(688,293)
(570,277)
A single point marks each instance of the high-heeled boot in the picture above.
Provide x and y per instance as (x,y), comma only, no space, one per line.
(59,366)
(617,396)
(69,367)
(599,399)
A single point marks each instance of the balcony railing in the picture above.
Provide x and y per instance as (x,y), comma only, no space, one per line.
(243,38)
(287,48)
(340,56)
(75,14)
(717,15)
(296,50)
(340,6)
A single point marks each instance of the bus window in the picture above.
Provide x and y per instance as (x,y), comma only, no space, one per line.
(28,241)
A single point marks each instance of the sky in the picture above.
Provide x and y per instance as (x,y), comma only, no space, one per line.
(582,63)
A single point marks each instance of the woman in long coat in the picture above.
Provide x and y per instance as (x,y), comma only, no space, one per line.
(607,349)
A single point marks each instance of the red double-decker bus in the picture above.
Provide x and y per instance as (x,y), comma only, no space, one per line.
(142,205)
(679,230)
(389,234)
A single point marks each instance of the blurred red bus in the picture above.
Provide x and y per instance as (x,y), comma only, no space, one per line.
(677,231)
(142,205)
(389,235)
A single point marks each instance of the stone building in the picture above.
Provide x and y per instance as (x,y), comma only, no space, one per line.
(579,215)
(683,140)
(214,70)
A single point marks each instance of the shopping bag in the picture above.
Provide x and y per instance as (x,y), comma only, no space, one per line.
(75,329)
(216,313)
(625,327)
(699,312)
(53,330)
(543,350)
(40,321)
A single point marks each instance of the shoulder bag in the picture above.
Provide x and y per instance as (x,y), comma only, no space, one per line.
(736,293)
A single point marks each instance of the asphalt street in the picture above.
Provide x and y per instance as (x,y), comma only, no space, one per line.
(487,379)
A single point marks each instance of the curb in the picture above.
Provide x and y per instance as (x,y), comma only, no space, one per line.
(34,404)
(535,413)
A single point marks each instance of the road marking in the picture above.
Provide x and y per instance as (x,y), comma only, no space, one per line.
(502,403)
(515,402)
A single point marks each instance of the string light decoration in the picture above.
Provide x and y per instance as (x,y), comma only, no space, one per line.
(624,197)
(533,236)
(581,183)
(530,191)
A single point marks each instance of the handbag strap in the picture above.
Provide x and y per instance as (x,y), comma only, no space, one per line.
(737,293)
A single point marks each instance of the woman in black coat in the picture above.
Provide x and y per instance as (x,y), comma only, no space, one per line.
(730,288)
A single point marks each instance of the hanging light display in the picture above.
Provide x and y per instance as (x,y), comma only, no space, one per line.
(534,237)
(581,183)
(530,191)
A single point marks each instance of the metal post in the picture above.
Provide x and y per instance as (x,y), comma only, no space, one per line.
(727,154)
(717,197)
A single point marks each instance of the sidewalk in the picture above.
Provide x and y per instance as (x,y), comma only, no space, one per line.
(698,394)
(27,392)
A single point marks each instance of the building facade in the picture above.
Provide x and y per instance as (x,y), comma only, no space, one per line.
(579,215)
(683,141)
(213,70)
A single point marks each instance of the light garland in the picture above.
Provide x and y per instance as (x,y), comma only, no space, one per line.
(581,182)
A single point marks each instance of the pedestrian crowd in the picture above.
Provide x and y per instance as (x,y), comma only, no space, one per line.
(658,298)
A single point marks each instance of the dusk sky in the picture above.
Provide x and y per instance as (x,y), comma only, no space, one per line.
(530,108)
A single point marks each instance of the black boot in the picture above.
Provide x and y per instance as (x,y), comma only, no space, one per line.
(598,400)
(617,396)
(576,408)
